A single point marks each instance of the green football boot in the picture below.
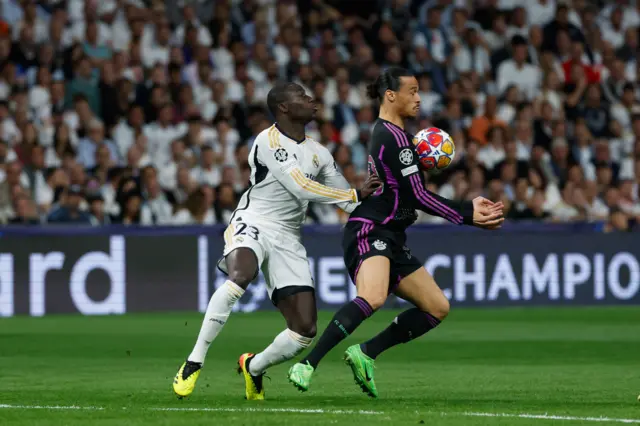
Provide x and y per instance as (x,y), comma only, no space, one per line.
(300,375)
(362,367)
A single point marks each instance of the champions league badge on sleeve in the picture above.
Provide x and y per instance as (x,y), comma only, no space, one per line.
(281,155)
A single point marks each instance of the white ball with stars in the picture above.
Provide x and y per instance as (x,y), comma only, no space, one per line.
(435,149)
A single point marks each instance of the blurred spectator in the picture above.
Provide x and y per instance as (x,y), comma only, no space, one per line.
(225,202)
(493,153)
(130,213)
(481,125)
(69,208)
(96,209)
(518,72)
(90,147)
(618,221)
(157,209)
(26,213)
(126,131)
(566,210)
(11,184)
(85,82)
(161,133)
(195,211)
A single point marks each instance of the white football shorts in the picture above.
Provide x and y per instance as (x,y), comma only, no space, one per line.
(280,253)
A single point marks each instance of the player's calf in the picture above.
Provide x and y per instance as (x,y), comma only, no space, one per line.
(216,316)
(407,326)
(243,268)
(299,310)
(284,347)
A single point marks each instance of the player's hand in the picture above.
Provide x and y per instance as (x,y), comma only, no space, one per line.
(487,214)
(371,185)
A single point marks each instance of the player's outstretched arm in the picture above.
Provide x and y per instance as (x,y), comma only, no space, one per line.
(330,176)
(286,169)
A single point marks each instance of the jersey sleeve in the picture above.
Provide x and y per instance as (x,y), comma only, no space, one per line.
(330,176)
(400,163)
(285,168)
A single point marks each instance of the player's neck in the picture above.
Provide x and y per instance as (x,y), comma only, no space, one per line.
(292,130)
(391,117)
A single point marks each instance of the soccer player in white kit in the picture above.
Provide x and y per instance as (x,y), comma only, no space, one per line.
(288,170)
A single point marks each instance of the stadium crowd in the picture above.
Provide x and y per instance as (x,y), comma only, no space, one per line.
(144,112)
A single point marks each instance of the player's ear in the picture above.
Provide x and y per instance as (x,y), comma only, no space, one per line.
(390,95)
(283,107)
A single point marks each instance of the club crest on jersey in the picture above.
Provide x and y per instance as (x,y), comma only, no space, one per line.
(315,161)
(281,155)
(406,156)
(379,245)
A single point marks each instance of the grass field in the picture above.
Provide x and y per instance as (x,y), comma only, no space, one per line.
(481,367)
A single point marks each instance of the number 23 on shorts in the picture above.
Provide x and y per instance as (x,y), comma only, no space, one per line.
(240,228)
(237,230)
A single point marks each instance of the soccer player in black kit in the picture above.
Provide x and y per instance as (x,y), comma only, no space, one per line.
(375,253)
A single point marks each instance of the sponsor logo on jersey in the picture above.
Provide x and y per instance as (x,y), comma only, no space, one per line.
(310,176)
(281,155)
(409,170)
(379,245)
(406,156)
(315,161)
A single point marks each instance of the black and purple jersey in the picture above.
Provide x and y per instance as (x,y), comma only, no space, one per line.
(393,159)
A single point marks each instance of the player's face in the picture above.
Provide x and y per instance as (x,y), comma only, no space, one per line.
(301,107)
(408,98)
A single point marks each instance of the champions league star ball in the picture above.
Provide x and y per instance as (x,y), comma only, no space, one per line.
(435,149)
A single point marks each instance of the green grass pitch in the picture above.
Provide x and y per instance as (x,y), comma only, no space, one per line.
(481,367)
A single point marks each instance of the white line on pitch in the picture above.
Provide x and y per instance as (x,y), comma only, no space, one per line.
(327,411)
(545,417)
(271,410)
(200,409)
(51,407)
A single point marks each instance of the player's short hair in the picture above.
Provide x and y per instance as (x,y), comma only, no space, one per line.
(388,80)
(279,94)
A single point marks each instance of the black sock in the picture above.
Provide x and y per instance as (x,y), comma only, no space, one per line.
(344,322)
(407,326)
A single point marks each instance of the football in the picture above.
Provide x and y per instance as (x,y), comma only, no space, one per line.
(435,149)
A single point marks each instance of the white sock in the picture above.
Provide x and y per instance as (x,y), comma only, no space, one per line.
(216,316)
(285,346)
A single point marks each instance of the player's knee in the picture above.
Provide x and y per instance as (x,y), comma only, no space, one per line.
(441,309)
(376,301)
(305,328)
(241,278)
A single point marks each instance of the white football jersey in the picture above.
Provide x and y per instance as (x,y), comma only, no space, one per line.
(286,175)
